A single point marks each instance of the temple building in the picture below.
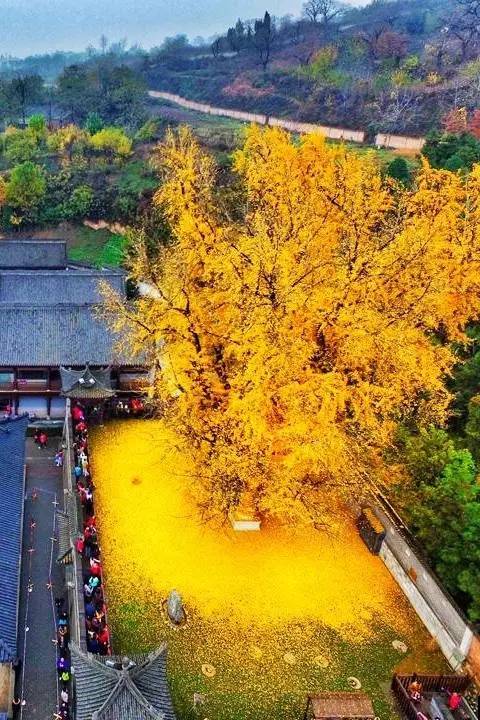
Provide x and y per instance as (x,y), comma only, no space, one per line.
(53,345)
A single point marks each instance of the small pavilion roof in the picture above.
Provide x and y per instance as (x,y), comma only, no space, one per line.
(87,383)
(138,691)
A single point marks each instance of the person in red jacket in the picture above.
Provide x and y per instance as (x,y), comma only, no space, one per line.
(454,701)
(95,567)
(77,413)
(103,638)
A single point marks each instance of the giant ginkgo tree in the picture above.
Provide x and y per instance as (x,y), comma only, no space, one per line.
(296,327)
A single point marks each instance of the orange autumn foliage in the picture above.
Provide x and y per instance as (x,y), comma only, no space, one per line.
(296,333)
(455,121)
(474,124)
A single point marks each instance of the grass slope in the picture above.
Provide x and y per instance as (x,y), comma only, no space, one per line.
(96,247)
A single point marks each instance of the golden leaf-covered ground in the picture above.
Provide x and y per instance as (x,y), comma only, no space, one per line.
(262,607)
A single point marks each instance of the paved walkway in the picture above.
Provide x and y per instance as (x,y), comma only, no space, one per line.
(41,582)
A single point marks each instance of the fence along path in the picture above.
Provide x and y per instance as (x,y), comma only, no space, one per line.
(394,142)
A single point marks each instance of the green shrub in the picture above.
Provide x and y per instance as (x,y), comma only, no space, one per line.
(148,132)
(37,125)
(94,123)
(398,170)
(26,188)
(79,203)
(452,152)
(20,146)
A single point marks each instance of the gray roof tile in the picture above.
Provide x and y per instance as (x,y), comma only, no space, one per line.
(55,335)
(12,461)
(70,286)
(64,535)
(127,703)
(33,253)
(146,677)
(94,682)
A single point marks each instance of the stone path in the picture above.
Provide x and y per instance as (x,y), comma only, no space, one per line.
(41,582)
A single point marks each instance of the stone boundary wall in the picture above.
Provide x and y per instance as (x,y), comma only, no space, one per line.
(400,142)
(386,140)
(333,133)
(444,621)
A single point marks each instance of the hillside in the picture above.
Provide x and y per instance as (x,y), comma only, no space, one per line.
(391,66)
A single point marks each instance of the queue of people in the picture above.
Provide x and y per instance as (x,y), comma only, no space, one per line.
(63,662)
(96,628)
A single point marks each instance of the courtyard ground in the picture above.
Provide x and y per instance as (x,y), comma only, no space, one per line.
(272,616)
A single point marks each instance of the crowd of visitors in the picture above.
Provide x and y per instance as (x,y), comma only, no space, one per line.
(97,632)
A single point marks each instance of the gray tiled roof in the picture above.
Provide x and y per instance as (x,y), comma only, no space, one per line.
(6,653)
(48,309)
(69,286)
(33,253)
(145,677)
(105,693)
(12,461)
(94,682)
(87,383)
(126,702)
(55,335)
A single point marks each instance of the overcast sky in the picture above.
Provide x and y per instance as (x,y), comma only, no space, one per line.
(28,27)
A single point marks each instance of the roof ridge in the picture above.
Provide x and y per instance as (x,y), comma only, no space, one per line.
(92,660)
(68,271)
(32,308)
(139,669)
(126,683)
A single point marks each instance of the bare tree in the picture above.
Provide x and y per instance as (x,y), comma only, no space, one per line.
(321,10)
(398,110)
(216,47)
(371,37)
(463,24)
(439,52)
(103,44)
